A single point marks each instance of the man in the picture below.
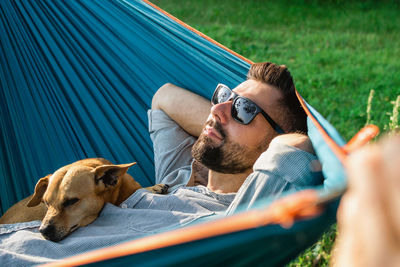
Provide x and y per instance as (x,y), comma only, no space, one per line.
(235,144)
(227,147)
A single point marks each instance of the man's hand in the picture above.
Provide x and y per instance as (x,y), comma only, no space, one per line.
(300,141)
(187,109)
(369,212)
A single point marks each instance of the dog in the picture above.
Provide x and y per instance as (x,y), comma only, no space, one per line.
(74,195)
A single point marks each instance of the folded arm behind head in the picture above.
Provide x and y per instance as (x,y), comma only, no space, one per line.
(188,109)
(299,140)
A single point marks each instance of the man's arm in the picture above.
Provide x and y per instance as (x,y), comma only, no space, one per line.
(298,140)
(187,109)
(288,164)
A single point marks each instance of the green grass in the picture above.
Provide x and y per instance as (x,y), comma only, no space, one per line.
(337,52)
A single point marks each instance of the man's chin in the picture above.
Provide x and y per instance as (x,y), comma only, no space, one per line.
(206,152)
(221,157)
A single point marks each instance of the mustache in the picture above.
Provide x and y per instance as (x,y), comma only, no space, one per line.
(217,126)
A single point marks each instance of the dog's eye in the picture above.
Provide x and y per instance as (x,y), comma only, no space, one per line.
(70,202)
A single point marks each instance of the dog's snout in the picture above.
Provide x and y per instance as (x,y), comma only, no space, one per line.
(48,231)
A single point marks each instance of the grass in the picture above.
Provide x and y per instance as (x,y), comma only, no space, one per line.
(337,51)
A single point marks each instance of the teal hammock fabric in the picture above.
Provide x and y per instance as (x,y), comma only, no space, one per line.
(77,78)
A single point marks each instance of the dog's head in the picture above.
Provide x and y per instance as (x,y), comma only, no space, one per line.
(74,196)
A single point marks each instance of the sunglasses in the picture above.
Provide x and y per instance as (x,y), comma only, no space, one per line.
(243,109)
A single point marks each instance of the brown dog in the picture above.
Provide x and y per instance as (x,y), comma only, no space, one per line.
(74,196)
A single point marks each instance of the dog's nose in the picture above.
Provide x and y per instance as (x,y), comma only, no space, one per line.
(48,231)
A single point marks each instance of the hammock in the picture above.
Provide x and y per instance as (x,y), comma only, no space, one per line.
(77,79)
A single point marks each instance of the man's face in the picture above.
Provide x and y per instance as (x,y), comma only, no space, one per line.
(227,146)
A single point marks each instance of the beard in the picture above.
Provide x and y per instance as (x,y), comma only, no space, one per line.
(228,157)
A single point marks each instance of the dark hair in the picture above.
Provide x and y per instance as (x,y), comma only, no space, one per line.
(294,118)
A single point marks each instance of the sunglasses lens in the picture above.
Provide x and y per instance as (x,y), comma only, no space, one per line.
(221,94)
(243,110)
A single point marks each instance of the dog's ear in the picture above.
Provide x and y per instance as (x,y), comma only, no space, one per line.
(40,188)
(109,174)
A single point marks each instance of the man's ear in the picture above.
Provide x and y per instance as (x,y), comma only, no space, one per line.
(109,174)
(40,188)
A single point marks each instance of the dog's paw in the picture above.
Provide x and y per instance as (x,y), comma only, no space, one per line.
(159,188)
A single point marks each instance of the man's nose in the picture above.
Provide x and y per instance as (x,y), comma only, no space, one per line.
(222,112)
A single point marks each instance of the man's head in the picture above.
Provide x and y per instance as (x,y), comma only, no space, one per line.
(226,145)
(291,115)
